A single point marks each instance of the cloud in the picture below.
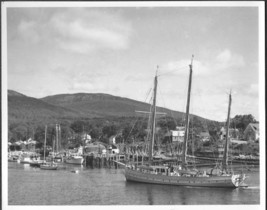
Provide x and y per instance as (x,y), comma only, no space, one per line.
(226,59)
(181,68)
(89,33)
(78,30)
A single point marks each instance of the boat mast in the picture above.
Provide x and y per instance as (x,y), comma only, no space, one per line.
(184,162)
(56,138)
(45,141)
(225,154)
(153,124)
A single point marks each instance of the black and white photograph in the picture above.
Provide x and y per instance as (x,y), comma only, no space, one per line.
(133,105)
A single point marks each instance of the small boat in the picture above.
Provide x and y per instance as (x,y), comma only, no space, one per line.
(49,166)
(13,158)
(74,159)
(25,159)
(36,163)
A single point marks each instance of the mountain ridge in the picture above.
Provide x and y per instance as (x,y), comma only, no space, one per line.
(76,106)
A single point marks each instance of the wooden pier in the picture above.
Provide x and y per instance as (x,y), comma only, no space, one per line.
(103,160)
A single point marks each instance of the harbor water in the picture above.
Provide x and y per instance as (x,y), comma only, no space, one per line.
(107,186)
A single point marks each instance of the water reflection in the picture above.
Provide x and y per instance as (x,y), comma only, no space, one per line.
(108,187)
(149,196)
(27,166)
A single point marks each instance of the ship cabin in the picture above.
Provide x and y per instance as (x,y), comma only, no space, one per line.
(163,170)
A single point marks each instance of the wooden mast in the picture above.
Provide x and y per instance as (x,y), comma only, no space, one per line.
(225,154)
(153,123)
(45,142)
(184,162)
(56,138)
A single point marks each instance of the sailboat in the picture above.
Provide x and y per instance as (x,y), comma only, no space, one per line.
(181,175)
(51,165)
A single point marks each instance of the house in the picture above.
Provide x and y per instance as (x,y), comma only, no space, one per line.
(113,149)
(86,138)
(96,148)
(233,133)
(30,144)
(252,132)
(204,136)
(177,135)
(112,139)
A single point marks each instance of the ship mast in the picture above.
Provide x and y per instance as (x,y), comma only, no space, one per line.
(153,123)
(45,141)
(225,154)
(184,162)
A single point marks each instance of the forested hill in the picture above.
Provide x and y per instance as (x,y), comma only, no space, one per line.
(83,110)
(102,105)
(24,109)
(79,106)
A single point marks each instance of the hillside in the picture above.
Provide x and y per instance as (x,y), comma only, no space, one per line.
(82,110)
(103,105)
(22,108)
(69,107)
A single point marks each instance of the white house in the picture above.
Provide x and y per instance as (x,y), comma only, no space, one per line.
(112,139)
(233,133)
(113,149)
(86,138)
(252,132)
(177,135)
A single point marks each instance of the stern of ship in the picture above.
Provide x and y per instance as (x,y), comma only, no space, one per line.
(238,179)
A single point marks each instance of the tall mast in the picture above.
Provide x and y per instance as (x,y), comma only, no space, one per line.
(153,124)
(184,162)
(225,154)
(57,138)
(45,141)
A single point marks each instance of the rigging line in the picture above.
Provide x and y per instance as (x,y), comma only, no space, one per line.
(178,69)
(165,117)
(148,92)
(164,105)
(131,130)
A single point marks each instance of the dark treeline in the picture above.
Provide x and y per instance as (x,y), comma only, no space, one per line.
(126,129)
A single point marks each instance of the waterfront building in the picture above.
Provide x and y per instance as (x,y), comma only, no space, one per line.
(176,135)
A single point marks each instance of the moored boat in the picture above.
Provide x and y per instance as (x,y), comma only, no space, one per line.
(159,175)
(37,163)
(74,159)
(25,159)
(49,166)
(181,175)
(13,158)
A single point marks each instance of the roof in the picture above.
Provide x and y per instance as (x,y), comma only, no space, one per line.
(95,145)
(254,126)
(204,134)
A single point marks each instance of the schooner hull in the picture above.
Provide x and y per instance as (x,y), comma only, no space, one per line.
(214,181)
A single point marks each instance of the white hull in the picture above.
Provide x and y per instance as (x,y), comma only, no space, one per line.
(77,160)
(25,160)
(48,167)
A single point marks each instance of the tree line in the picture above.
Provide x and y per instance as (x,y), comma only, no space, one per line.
(126,129)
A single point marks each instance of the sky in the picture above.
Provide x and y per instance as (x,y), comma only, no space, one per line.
(118,50)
